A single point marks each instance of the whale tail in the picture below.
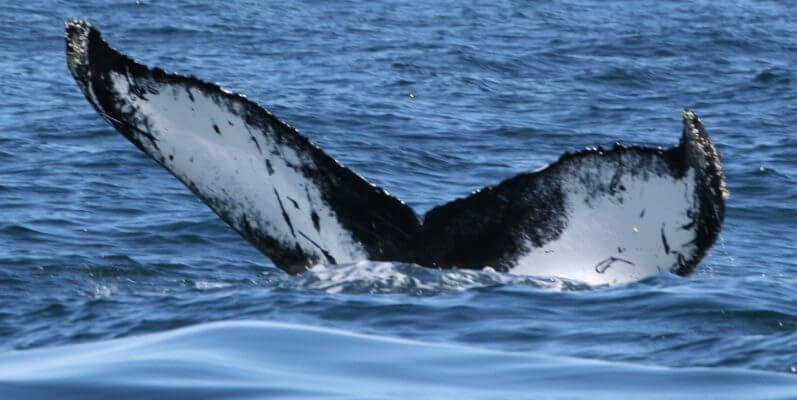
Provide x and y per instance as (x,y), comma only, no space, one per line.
(597,215)
(601,216)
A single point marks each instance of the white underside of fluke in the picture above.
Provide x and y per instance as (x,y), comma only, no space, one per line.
(620,237)
(213,151)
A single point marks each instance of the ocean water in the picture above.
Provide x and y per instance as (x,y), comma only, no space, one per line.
(116,282)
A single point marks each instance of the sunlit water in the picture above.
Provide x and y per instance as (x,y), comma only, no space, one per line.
(430,100)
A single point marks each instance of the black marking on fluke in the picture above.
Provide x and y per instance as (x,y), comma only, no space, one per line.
(269,168)
(295,204)
(328,256)
(316,221)
(664,241)
(284,213)
(494,226)
(257,144)
(602,266)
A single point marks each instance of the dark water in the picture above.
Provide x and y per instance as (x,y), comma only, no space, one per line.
(431,100)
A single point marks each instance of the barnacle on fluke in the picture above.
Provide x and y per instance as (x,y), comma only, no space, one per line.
(596,215)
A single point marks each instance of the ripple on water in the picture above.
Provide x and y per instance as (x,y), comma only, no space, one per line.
(98,242)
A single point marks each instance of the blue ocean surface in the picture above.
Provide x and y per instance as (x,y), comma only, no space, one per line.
(117,282)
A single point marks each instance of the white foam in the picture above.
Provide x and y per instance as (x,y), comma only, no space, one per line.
(391,277)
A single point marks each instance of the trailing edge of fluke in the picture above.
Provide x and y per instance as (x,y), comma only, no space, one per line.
(600,216)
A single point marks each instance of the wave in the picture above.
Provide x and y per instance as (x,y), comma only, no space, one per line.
(255,360)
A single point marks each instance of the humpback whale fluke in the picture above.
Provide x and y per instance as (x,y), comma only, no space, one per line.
(597,215)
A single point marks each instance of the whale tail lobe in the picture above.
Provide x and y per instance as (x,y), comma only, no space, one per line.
(282,193)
